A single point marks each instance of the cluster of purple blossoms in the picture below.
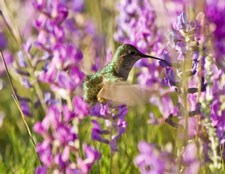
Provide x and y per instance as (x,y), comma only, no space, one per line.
(61,71)
(186,40)
(216,89)
(217,109)
(136,25)
(215,11)
(59,150)
(213,111)
(151,160)
(114,117)
(190,159)
(204,74)
(59,128)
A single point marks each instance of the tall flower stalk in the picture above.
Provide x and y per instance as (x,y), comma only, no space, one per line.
(59,150)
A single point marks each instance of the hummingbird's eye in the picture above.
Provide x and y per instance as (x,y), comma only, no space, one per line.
(132,52)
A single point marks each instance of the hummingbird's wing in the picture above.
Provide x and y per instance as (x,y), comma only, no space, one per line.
(124,93)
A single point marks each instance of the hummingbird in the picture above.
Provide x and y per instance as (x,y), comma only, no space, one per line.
(109,83)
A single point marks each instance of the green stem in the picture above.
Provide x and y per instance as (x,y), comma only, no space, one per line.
(35,83)
(183,133)
(111,133)
(18,104)
(186,116)
(111,161)
(8,75)
(10,24)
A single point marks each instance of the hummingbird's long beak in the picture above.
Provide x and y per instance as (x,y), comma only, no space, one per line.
(153,57)
(148,56)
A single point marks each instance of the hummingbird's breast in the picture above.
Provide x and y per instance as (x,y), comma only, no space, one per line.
(94,83)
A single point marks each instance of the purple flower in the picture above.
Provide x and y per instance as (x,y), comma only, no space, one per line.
(192,127)
(58,12)
(48,75)
(182,22)
(64,134)
(59,142)
(185,37)
(9,60)
(45,153)
(64,81)
(59,161)
(41,170)
(97,132)
(151,160)
(25,107)
(39,4)
(217,92)
(60,70)
(40,22)
(78,5)
(190,159)
(81,108)
(91,156)
(215,11)
(135,25)
(3,41)
(95,110)
(165,100)
(115,120)
(69,115)
(39,128)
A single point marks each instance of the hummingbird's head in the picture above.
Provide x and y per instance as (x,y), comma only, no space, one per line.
(127,51)
(125,57)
